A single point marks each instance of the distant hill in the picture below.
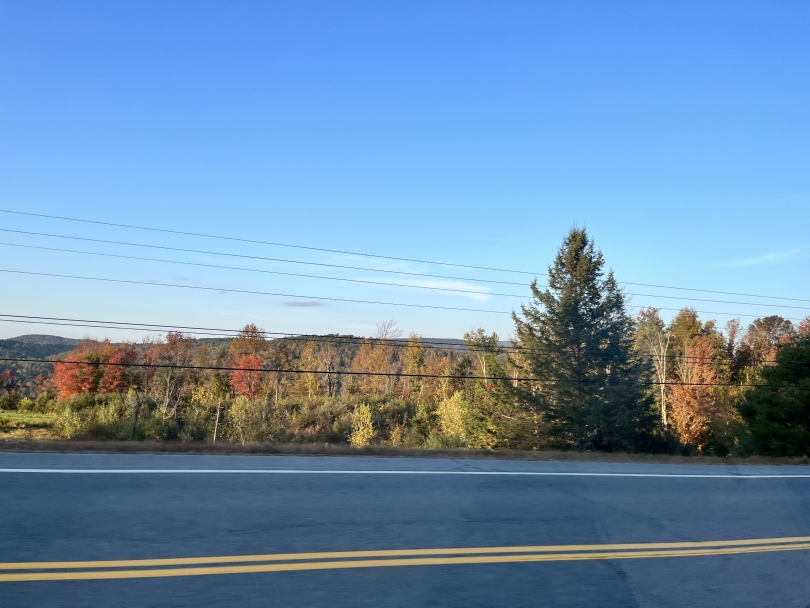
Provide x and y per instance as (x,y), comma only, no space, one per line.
(45,340)
(33,347)
(461,344)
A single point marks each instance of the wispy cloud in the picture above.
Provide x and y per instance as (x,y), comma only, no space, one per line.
(455,288)
(776,257)
(304,304)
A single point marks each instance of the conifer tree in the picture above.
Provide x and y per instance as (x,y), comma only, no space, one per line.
(494,418)
(577,339)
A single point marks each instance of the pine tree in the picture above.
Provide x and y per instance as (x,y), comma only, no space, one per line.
(494,418)
(577,339)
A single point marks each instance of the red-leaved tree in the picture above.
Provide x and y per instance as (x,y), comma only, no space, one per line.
(118,378)
(245,380)
(84,369)
(8,380)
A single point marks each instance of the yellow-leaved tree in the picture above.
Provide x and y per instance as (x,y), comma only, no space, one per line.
(362,426)
(452,414)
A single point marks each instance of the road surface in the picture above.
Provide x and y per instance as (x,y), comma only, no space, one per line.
(177,530)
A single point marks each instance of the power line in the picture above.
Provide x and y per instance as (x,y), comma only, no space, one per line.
(321,298)
(367,282)
(727,293)
(257,242)
(327,339)
(250,292)
(237,239)
(265,370)
(257,257)
(278,272)
(219,336)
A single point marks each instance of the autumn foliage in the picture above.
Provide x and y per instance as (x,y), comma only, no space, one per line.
(245,380)
(95,367)
(693,400)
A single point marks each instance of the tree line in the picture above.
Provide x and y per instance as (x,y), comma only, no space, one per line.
(581,373)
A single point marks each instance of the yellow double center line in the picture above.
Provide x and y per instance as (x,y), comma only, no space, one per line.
(287,562)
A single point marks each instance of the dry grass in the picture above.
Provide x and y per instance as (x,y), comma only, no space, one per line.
(146,447)
(15,426)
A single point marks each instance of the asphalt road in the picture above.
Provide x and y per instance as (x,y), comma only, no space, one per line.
(328,504)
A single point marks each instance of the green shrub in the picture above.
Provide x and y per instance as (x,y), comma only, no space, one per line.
(196,423)
(244,420)
(157,429)
(438,441)
(68,423)
(8,402)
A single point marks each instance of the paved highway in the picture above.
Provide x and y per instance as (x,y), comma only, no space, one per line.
(141,530)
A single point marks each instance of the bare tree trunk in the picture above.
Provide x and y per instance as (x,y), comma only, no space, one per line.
(330,381)
(658,348)
(137,410)
(167,397)
(663,379)
(216,423)
(482,364)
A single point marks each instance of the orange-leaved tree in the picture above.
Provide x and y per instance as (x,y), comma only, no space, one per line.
(245,380)
(692,398)
(95,367)
(804,327)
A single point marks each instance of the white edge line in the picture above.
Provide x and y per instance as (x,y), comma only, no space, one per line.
(392,472)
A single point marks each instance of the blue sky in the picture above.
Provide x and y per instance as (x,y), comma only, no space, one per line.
(468,132)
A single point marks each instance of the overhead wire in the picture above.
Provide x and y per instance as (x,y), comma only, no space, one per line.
(368,255)
(368,282)
(319,298)
(250,292)
(276,272)
(258,242)
(256,257)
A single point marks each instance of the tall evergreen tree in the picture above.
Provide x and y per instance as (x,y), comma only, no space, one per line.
(577,339)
